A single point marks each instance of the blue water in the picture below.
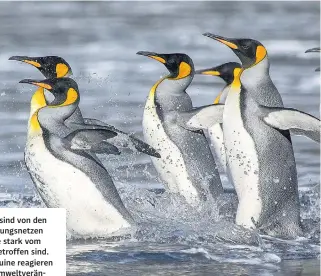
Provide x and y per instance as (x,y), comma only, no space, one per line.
(99,40)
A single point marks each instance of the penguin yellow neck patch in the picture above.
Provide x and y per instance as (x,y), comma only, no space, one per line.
(217,99)
(38,100)
(34,63)
(260,53)
(154,87)
(236,84)
(61,70)
(34,124)
(184,70)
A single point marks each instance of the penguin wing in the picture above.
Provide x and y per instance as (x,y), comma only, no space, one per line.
(201,117)
(104,147)
(92,139)
(298,122)
(89,121)
(123,139)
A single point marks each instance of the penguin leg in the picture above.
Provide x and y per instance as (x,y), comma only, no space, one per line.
(123,139)
(201,118)
(285,225)
(298,122)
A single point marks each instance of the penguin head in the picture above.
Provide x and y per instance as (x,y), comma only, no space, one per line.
(179,65)
(249,51)
(224,71)
(65,90)
(49,66)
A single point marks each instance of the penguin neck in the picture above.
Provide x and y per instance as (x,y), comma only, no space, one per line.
(256,75)
(52,118)
(257,82)
(236,84)
(75,117)
(38,101)
(169,94)
(221,97)
(172,86)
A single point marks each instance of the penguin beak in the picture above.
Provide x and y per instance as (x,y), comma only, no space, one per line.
(210,71)
(152,55)
(227,41)
(313,50)
(38,83)
(26,59)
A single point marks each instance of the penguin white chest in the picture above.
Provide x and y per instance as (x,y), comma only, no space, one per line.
(242,162)
(171,166)
(62,185)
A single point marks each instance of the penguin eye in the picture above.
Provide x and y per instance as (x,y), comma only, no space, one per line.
(170,61)
(245,47)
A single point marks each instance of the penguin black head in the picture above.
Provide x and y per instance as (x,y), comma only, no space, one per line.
(65,90)
(314,50)
(179,65)
(224,71)
(249,51)
(49,66)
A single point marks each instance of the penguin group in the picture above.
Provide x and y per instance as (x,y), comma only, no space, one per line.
(246,132)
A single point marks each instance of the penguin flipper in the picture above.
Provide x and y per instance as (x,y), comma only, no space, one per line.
(298,122)
(201,118)
(104,148)
(144,147)
(126,140)
(92,139)
(89,121)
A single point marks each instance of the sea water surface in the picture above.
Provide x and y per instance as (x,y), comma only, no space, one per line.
(99,40)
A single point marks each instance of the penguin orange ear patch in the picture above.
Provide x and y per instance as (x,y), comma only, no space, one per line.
(34,63)
(61,70)
(72,96)
(260,53)
(184,70)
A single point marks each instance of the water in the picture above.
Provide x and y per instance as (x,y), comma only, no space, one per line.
(100,40)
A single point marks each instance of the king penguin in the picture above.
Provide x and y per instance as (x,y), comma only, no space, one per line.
(314,50)
(63,168)
(215,132)
(259,151)
(186,166)
(57,67)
